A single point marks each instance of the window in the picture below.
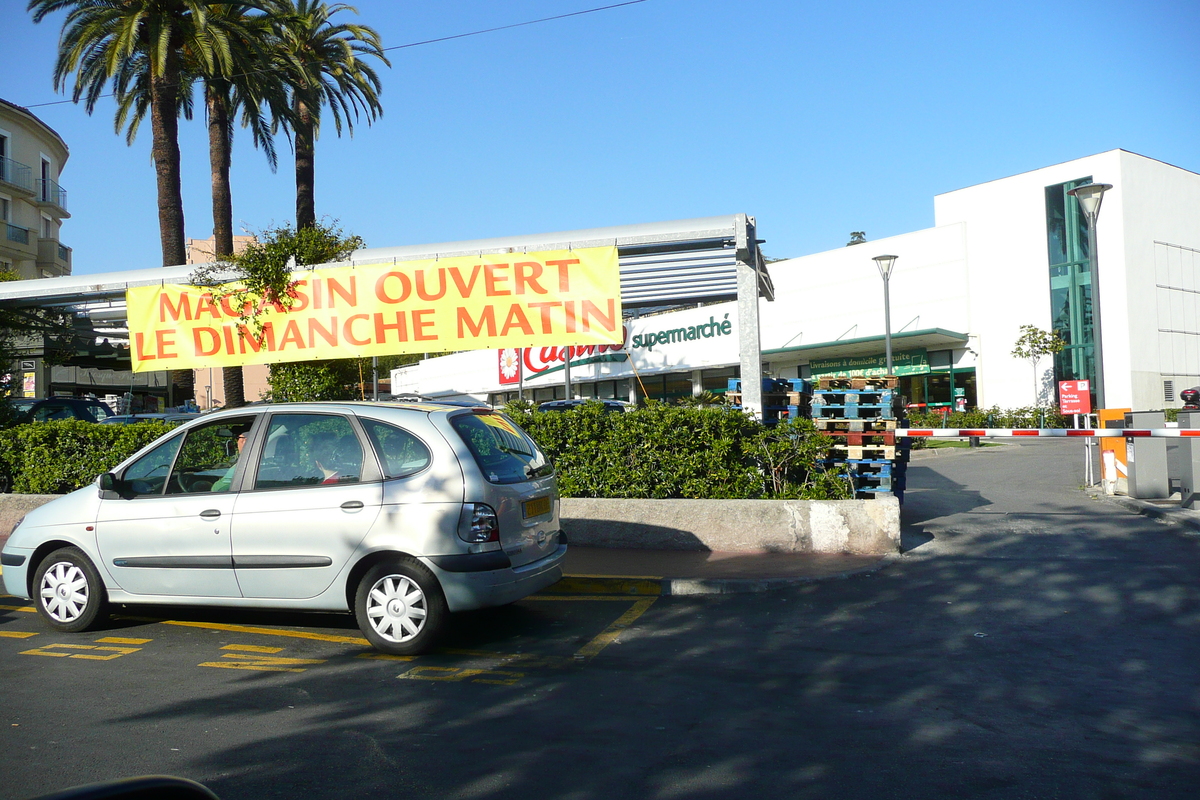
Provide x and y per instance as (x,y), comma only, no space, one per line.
(309,450)
(401,453)
(148,474)
(502,450)
(5,209)
(1070,282)
(209,457)
(47,227)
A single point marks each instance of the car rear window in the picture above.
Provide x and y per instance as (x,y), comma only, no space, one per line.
(504,452)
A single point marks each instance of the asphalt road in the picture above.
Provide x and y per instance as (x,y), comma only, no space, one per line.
(1032,643)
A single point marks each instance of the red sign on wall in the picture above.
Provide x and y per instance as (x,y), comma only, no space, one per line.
(1074,397)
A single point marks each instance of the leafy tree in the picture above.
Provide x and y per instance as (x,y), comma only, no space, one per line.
(263,271)
(857,237)
(1032,345)
(323,66)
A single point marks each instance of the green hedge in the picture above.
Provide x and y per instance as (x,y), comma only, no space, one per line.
(663,451)
(659,451)
(994,417)
(63,455)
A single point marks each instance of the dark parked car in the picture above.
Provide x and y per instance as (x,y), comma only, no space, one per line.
(567,405)
(62,408)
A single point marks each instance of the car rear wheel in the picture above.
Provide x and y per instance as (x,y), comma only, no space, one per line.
(68,591)
(400,607)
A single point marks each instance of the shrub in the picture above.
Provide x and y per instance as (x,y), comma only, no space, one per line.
(64,455)
(664,451)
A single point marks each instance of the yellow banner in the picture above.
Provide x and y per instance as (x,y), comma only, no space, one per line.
(562,297)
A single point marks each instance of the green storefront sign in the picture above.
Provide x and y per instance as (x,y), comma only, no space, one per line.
(906,362)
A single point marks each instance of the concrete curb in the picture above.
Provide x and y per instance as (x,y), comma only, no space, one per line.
(1174,516)
(680,587)
(862,527)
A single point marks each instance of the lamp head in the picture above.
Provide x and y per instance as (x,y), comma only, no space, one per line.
(1089,197)
(885,264)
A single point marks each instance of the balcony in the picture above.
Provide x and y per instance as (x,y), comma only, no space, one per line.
(15,175)
(53,258)
(49,193)
(18,234)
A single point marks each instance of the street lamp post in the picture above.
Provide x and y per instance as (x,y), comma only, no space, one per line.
(1089,198)
(885,264)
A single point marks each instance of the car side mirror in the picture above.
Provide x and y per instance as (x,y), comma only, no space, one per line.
(107,482)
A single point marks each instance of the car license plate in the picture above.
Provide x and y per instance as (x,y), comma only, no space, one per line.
(537,506)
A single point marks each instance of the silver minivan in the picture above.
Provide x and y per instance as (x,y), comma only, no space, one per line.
(399,513)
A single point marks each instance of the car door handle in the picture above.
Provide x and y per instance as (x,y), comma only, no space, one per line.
(211,513)
(352,504)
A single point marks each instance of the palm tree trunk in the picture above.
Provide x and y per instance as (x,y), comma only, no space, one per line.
(164,120)
(164,123)
(220,146)
(306,213)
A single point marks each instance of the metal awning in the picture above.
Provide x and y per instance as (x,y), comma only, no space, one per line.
(930,339)
(685,261)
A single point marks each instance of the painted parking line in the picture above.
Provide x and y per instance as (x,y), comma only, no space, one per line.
(604,585)
(57,651)
(29,609)
(319,637)
(16,634)
(250,657)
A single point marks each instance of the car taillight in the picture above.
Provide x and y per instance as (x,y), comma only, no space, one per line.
(478,523)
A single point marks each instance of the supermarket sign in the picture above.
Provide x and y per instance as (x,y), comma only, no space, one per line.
(695,336)
(541,299)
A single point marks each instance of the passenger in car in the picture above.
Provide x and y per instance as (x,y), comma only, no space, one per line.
(324,455)
(222,483)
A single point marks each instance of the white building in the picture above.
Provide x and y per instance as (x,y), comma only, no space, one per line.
(1001,255)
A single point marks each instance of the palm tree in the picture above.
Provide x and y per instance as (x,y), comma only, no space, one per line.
(323,66)
(248,87)
(138,46)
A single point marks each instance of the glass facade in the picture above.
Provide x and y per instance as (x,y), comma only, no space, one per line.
(1070,283)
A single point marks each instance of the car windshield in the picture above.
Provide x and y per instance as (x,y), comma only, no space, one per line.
(504,453)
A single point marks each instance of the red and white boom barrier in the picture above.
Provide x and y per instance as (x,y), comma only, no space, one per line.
(1103,433)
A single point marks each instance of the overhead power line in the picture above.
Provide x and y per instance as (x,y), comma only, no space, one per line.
(444,38)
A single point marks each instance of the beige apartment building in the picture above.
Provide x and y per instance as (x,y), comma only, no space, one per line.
(33,204)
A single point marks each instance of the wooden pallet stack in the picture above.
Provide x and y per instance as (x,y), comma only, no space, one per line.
(862,414)
(782,398)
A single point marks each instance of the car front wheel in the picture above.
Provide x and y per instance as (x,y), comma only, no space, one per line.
(68,591)
(400,607)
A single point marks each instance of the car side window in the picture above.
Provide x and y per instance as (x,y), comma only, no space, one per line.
(400,452)
(49,411)
(148,475)
(309,450)
(209,456)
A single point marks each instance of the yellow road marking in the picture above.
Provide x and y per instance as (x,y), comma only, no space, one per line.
(252,648)
(320,637)
(121,640)
(16,634)
(578,584)
(599,598)
(616,577)
(609,634)
(45,650)
(384,657)
(263,663)
(30,609)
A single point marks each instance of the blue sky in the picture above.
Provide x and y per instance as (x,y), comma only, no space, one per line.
(817,118)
